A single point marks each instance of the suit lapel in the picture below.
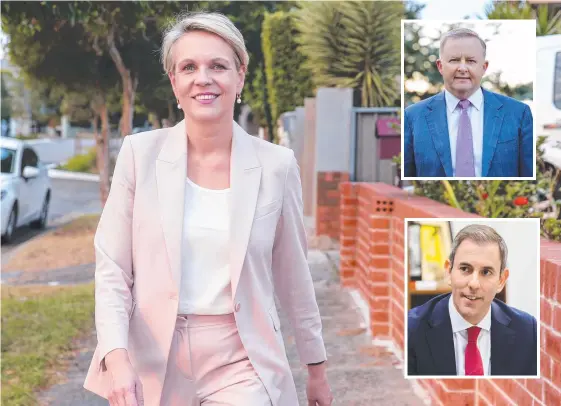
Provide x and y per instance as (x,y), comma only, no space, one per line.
(503,339)
(245,179)
(171,172)
(441,341)
(437,123)
(492,121)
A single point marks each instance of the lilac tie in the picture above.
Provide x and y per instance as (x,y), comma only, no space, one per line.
(464,143)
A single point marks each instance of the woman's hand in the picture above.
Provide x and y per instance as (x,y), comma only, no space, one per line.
(126,388)
(318,391)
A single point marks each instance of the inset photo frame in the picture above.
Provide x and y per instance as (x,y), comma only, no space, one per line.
(472,298)
(467,91)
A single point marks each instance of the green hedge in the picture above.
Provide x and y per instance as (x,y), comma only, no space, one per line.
(32,136)
(82,163)
(288,82)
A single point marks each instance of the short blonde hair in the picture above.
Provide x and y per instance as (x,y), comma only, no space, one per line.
(214,23)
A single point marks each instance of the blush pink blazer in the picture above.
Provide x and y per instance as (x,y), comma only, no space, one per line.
(138,252)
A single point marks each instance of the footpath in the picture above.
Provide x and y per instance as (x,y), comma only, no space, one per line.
(359,373)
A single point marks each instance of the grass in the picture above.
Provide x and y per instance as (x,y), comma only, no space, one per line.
(69,245)
(83,224)
(39,325)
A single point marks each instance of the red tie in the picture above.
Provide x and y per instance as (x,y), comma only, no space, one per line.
(474,365)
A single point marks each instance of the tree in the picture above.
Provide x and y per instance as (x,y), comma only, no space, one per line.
(119,29)
(6,100)
(519,92)
(413,10)
(548,17)
(288,82)
(353,44)
(115,28)
(248,16)
(57,56)
(419,62)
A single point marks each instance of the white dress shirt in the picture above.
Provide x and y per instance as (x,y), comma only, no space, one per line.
(475,113)
(459,329)
(205,268)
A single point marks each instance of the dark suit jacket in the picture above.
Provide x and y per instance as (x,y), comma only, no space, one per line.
(508,138)
(430,343)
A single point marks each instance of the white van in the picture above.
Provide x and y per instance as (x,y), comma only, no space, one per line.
(546,106)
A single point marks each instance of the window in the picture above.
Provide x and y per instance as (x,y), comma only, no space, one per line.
(8,160)
(29,158)
(557,81)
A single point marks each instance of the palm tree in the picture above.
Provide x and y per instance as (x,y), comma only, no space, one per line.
(548,20)
(353,44)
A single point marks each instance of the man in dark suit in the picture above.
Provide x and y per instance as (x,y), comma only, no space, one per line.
(466,131)
(468,331)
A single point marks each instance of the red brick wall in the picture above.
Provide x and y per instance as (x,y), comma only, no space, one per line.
(328,203)
(372,261)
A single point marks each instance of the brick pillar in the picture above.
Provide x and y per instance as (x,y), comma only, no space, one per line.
(348,233)
(397,274)
(328,202)
(380,268)
(550,354)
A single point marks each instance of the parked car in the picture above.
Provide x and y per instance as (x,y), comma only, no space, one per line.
(26,187)
(546,106)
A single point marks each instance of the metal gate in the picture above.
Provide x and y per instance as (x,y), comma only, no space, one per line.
(368,161)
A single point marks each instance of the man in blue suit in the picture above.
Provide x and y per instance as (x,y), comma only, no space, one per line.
(468,332)
(466,131)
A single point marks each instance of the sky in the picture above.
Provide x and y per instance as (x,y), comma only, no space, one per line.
(452,9)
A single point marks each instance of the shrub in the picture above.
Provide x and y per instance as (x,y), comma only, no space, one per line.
(32,136)
(82,163)
(504,199)
(288,81)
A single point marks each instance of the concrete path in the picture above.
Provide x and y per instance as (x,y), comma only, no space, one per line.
(359,373)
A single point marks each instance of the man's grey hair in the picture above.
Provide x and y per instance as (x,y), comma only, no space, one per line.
(214,23)
(462,33)
(480,234)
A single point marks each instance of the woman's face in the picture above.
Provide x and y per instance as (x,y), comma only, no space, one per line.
(205,79)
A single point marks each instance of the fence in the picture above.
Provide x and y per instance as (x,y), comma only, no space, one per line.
(369,152)
(59,150)
(372,261)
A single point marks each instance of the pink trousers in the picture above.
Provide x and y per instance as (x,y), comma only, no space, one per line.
(209,366)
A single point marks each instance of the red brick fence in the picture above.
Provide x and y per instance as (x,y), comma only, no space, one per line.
(371,241)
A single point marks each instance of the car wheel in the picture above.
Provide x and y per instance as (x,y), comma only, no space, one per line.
(11,226)
(41,222)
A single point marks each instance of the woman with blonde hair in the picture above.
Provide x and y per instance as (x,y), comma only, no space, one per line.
(202,227)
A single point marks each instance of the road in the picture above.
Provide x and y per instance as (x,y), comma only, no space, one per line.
(68,197)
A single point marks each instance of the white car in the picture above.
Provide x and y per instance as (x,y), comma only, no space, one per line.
(26,187)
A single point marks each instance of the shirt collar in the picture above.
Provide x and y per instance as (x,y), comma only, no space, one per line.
(460,324)
(452,101)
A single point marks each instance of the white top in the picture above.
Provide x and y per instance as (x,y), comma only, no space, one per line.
(459,329)
(205,266)
(475,113)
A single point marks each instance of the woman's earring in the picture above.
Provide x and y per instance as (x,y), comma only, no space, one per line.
(178,105)
(239,98)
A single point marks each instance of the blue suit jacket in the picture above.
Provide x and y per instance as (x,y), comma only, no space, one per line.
(508,148)
(430,346)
